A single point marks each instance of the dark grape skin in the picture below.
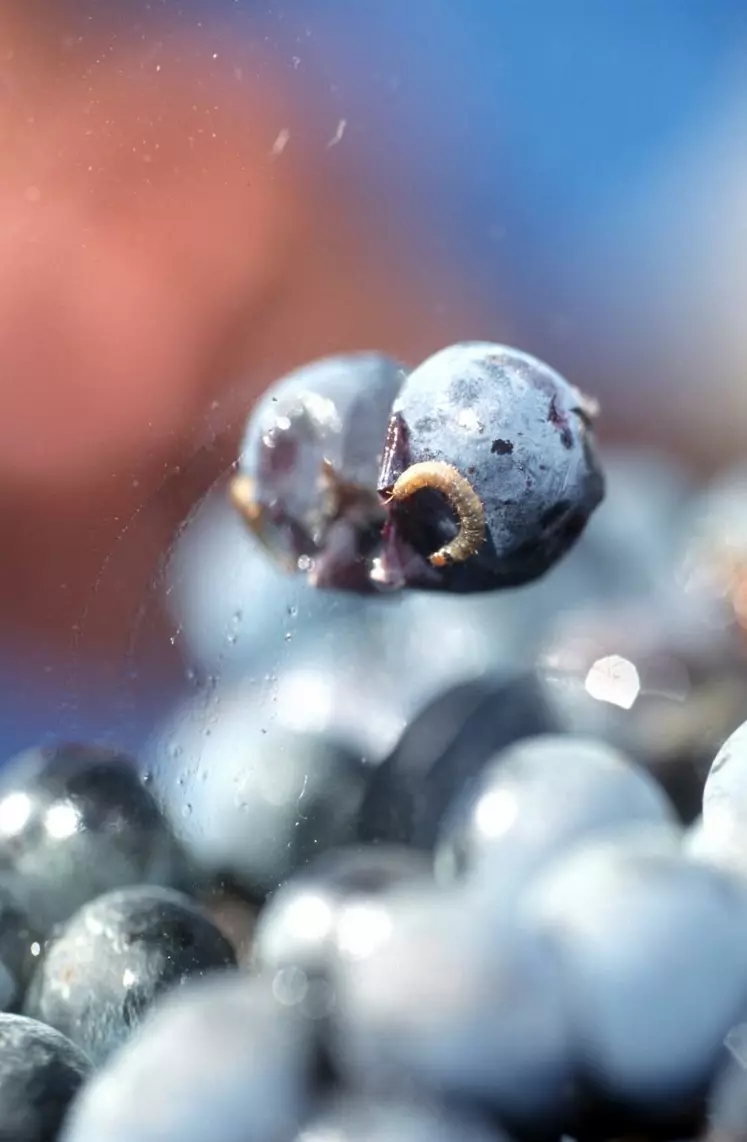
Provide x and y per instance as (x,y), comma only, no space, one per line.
(76,820)
(522,437)
(444,749)
(41,1072)
(20,946)
(111,961)
(221,1058)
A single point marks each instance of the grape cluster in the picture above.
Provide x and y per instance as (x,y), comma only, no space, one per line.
(466,862)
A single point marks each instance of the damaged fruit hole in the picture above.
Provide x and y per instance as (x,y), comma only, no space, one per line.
(431,428)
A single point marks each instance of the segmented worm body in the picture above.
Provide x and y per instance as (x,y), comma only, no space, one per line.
(462,498)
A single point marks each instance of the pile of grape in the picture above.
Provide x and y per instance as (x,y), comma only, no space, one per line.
(450,842)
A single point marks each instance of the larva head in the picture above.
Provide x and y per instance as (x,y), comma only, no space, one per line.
(440,559)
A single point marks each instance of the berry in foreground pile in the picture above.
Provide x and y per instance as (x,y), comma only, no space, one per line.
(75,821)
(40,1073)
(649,946)
(108,964)
(360,1119)
(299,928)
(252,800)
(535,800)
(224,1060)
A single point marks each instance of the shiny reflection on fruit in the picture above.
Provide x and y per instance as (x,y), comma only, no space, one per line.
(496,812)
(309,917)
(62,820)
(362,928)
(15,812)
(615,680)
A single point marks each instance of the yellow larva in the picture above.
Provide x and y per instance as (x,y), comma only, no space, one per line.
(241,492)
(463,499)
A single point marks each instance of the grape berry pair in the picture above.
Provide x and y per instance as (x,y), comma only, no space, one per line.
(526,920)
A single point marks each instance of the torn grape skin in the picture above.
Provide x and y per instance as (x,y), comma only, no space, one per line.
(323,468)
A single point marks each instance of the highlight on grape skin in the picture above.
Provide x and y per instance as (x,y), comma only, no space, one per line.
(475,471)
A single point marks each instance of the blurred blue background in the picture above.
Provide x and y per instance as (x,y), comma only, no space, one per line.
(580,165)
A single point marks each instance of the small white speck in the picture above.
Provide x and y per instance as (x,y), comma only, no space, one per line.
(35,949)
(469,419)
(281,142)
(337,137)
(614,680)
